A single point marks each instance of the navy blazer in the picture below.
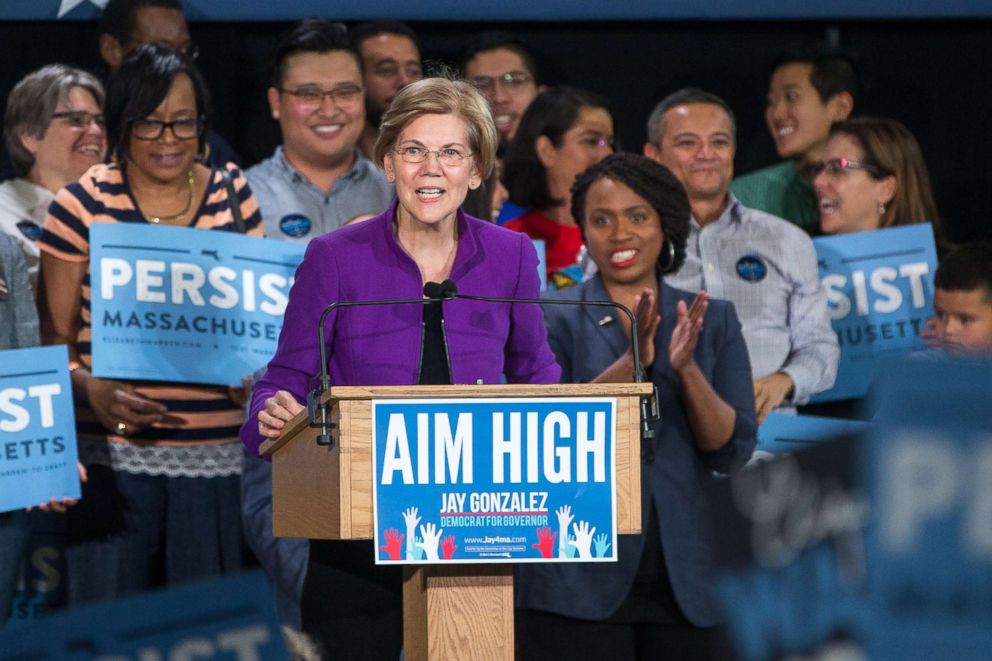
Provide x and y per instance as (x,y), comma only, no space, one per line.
(676,472)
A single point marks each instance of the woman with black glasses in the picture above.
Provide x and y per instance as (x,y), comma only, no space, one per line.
(54,132)
(162,502)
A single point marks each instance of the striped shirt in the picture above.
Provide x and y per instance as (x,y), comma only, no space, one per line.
(199,435)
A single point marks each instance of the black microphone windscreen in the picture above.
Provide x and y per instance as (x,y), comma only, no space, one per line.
(449,289)
(433,290)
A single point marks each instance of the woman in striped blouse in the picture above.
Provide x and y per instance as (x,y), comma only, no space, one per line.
(161,504)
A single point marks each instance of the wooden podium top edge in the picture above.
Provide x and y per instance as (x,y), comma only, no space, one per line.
(268,447)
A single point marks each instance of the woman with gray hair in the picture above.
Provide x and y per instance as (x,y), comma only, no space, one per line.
(54,131)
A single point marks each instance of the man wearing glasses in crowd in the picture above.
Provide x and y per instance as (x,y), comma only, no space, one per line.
(390,62)
(127,24)
(499,65)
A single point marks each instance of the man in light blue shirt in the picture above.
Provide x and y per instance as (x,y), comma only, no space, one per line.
(317,180)
(764,265)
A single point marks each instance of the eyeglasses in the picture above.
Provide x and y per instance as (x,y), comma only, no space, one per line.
(153,129)
(191,50)
(313,97)
(80,119)
(836,166)
(448,156)
(511,81)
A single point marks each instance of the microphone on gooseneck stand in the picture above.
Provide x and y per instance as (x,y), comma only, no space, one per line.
(447,291)
(314,403)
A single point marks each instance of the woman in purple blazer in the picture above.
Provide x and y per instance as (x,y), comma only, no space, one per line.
(436,142)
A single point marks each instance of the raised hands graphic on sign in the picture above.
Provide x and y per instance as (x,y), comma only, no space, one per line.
(545,542)
(394,542)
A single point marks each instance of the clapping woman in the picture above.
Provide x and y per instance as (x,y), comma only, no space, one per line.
(436,142)
(658,600)
(161,505)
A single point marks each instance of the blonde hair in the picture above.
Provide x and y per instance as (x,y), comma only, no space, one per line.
(440,96)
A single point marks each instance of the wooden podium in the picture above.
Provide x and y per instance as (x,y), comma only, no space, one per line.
(457,611)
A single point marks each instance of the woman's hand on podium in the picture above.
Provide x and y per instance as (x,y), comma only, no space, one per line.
(279,409)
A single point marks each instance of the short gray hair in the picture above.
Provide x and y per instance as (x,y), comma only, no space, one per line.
(32,102)
(684,97)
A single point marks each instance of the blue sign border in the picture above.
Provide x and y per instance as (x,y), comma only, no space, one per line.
(606,546)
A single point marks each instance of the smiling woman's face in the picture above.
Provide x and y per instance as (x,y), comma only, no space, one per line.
(168,158)
(70,144)
(623,233)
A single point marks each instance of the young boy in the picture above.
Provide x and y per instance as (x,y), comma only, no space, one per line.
(963,301)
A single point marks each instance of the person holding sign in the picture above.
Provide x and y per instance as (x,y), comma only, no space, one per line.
(660,596)
(873,176)
(436,142)
(161,505)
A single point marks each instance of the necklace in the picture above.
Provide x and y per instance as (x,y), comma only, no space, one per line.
(176,216)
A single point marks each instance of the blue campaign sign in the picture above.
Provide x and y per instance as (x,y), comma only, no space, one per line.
(928,473)
(542,262)
(166,298)
(230,619)
(791,433)
(494,480)
(37,428)
(878,547)
(880,295)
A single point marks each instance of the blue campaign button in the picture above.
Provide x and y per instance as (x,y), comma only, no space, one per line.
(295,225)
(751,268)
(29,229)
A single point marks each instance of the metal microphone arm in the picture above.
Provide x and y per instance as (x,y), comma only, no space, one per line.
(650,411)
(315,395)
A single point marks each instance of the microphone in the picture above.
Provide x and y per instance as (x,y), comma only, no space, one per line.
(650,412)
(432,290)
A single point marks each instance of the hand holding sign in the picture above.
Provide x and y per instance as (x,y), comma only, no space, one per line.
(120,408)
(62,506)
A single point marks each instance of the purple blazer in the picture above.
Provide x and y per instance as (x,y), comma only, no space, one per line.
(381,345)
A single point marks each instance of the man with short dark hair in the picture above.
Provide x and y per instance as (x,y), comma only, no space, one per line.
(390,61)
(126,24)
(765,266)
(317,180)
(807,93)
(499,64)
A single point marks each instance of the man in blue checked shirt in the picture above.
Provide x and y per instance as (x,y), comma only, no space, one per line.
(764,265)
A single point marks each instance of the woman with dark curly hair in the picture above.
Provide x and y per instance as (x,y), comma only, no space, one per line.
(660,595)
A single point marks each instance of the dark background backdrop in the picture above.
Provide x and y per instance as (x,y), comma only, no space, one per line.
(932,75)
